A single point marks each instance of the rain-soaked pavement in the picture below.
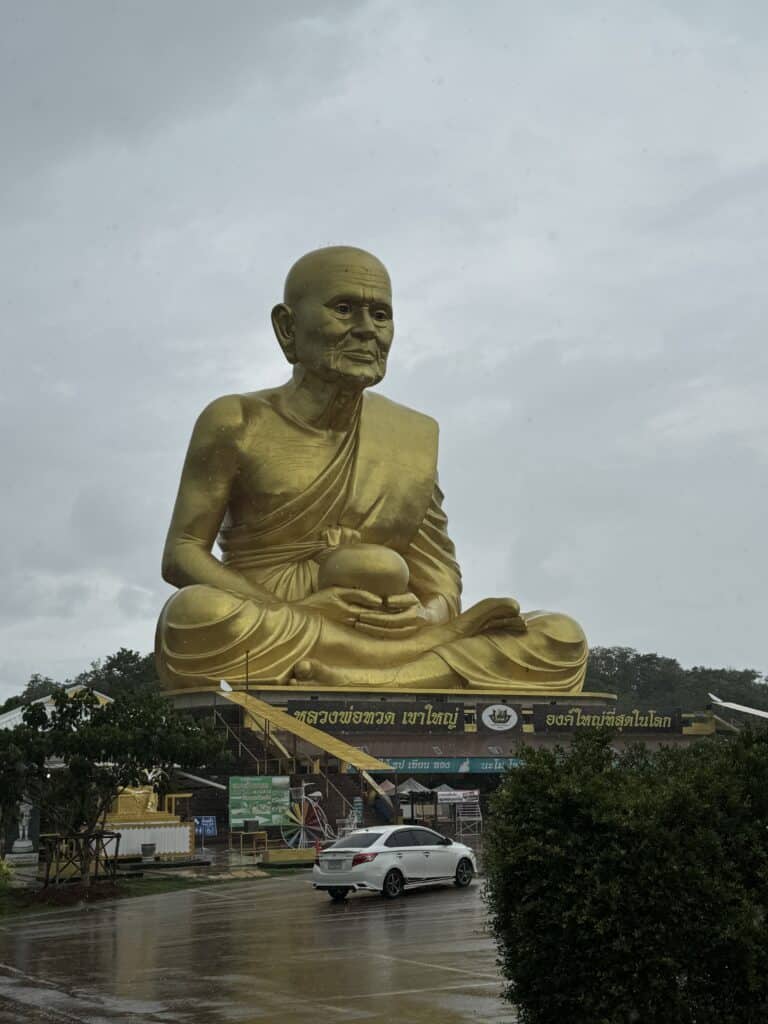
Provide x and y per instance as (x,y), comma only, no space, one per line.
(256,952)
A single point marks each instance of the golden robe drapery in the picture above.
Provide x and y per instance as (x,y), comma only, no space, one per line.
(381,488)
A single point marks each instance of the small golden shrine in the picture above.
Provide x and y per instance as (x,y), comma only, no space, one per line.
(135,815)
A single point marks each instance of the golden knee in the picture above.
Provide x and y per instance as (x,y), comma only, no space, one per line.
(200,606)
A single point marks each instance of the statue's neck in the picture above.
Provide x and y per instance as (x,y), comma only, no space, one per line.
(323,404)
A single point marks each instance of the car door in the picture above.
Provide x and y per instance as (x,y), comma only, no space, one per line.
(438,858)
(414,860)
(400,848)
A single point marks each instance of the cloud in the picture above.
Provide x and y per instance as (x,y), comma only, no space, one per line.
(708,409)
(43,596)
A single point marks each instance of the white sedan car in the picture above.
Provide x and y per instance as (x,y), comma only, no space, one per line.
(390,860)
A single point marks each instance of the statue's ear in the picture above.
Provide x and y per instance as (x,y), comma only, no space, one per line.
(283,324)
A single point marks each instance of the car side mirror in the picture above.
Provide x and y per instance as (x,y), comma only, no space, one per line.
(447,841)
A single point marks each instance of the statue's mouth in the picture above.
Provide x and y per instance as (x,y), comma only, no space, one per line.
(361,357)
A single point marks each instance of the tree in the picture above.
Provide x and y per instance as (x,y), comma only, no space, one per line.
(37,688)
(633,887)
(650,680)
(78,755)
(125,671)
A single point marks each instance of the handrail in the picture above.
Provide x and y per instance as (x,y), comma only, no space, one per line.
(346,802)
(242,746)
(260,761)
(348,805)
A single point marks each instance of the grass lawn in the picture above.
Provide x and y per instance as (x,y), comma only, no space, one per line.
(16,902)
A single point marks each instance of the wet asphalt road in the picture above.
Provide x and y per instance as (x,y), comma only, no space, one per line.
(268,950)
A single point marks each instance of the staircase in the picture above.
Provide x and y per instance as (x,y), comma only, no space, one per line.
(248,755)
(339,793)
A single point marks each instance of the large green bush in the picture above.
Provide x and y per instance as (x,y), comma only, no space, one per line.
(634,887)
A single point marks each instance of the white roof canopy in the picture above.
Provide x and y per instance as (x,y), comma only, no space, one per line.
(412,786)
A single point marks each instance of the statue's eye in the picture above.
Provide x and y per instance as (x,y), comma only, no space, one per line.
(343,308)
(381,316)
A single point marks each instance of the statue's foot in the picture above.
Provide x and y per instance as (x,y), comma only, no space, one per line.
(417,665)
(314,671)
(494,613)
(424,673)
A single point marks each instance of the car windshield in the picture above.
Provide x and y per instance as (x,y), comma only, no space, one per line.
(356,841)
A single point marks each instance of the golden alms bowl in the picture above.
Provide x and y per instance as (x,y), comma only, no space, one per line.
(371,567)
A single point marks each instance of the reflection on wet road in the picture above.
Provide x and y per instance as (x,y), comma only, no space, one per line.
(263,951)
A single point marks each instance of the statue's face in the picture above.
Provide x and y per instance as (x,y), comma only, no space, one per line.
(342,322)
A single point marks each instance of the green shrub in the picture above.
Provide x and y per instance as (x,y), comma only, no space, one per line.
(634,887)
(6,874)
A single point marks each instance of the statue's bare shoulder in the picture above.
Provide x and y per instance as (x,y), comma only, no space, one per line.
(229,419)
(241,421)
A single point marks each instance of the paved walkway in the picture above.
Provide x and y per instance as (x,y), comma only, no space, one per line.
(256,952)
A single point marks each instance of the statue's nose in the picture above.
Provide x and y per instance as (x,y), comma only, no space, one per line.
(364,325)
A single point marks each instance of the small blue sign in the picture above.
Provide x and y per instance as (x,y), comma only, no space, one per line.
(206,826)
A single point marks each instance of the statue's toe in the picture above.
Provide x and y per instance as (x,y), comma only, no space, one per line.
(303,670)
(314,671)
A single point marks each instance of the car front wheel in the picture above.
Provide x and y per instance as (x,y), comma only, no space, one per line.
(464,873)
(338,895)
(393,884)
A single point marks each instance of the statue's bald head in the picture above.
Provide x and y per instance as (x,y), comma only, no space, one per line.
(311,271)
(336,320)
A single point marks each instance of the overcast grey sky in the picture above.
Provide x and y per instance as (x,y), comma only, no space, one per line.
(571,199)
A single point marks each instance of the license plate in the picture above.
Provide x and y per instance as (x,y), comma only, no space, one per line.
(334,865)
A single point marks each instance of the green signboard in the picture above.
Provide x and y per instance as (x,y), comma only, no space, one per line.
(262,798)
(451,765)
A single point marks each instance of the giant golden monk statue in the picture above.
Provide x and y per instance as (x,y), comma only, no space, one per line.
(336,567)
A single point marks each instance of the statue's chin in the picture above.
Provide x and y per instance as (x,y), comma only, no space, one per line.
(353,375)
(357,381)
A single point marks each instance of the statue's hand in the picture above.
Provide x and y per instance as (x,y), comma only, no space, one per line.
(341,604)
(404,616)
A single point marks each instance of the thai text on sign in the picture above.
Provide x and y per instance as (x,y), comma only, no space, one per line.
(397,717)
(564,718)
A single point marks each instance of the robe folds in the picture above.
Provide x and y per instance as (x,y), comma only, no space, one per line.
(380,488)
